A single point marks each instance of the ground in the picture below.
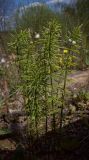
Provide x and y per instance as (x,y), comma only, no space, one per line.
(74,142)
(79,79)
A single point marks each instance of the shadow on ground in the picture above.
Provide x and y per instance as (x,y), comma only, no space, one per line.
(72,144)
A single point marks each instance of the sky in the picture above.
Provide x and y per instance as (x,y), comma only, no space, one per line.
(10,5)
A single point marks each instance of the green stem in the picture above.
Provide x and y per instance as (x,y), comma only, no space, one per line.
(51,79)
(36,113)
(63,94)
(45,91)
(46,108)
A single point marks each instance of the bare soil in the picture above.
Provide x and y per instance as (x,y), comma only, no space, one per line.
(78,80)
(78,130)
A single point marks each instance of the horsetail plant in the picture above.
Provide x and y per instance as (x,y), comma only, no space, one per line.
(23,46)
(41,60)
(51,38)
(68,61)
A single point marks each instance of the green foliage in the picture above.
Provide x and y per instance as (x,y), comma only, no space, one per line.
(51,41)
(83,14)
(34,18)
(77,15)
(4,131)
(2,71)
(83,95)
(43,65)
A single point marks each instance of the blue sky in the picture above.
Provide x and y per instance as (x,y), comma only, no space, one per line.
(10,5)
(46,1)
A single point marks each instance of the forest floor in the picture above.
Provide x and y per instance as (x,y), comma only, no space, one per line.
(78,79)
(75,140)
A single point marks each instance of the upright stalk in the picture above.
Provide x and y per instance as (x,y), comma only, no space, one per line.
(6,94)
(51,78)
(63,99)
(45,92)
(64,93)
(36,112)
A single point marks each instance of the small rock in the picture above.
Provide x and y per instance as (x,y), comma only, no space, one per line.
(81,105)
(87,104)
(65,111)
(75,95)
(72,109)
